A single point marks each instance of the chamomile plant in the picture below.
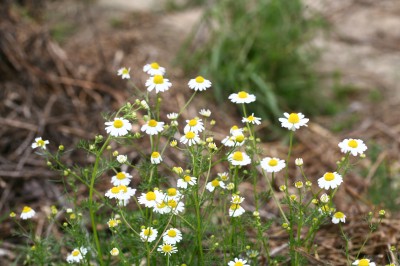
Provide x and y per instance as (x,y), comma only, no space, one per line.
(153,209)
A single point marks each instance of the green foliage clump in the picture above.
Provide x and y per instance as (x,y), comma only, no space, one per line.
(261,47)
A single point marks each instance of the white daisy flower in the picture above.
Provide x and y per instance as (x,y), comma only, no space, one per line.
(199,84)
(159,83)
(238,262)
(175,206)
(195,125)
(354,146)
(252,120)
(224,176)
(121,178)
(214,184)
(27,213)
(236,199)
(122,159)
(161,208)
(235,210)
(324,198)
(364,262)
(114,252)
(155,158)
(124,73)
(172,116)
(118,127)
(205,113)
(152,127)
(121,193)
(151,199)
(39,143)
(293,121)
(239,158)
(272,165)
(173,193)
(233,141)
(185,181)
(167,249)
(154,69)
(172,236)
(190,138)
(76,255)
(330,180)
(235,130)
(242,97)
(113,222)
(148,234)
(338,217)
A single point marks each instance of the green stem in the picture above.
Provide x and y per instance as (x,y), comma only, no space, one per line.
(288,157)
(199,229)
(91,209)
(274,198)
(347,244)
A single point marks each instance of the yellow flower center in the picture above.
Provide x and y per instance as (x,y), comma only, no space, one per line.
(237,156)
(125,71)
(190,135)
(352,143)
(115,190)
(167,248)
(123,188)
(187,178)
(26,209)
(363,262)
(234,128)
(148,232)
(171,192)
(155,65)
(329,176)
(339,215)
(158,79)
(112,223)
(199,79)
(161,205)
(239,138)
(273,162)
(155,155)
(75,253)
(172,203)
(236,200)
(40,143)
(171,233)
(118,123)
(243,95)
(152,123)
(238,264)
(250,118)
(215,183)
(192,122)
(121,176)
(150,196)
(294,118)
(234,207)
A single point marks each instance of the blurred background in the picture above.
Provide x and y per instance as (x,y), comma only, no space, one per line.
(338,62)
